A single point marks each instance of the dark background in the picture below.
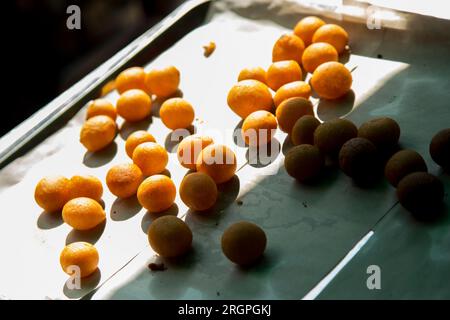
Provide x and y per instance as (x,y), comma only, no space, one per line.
(44,58)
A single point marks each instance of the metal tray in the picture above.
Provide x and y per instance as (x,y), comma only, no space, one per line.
(311,229)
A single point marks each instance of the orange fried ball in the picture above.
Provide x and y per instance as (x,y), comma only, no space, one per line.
(170,236)
(131,78)
(303,130)
(256,73)
(52,193)
(292,109)
(163,82)
(123,180)
(151,158)
(189,148)
(331,135)
(101,107)
(198,191)
(248,96)
(156,193)
(288,47)
(403,163)
(177,113)
(440,148)
(97,133)
(332,34)
(317,54)
(306,28)
(243,243)
(135,139)
(79,254)
(331,80)
(304,162)
(421,193)
(134,105)
(290,90)
(259,128)
(83,213)
(108,87)
(86,186)
(382,132)
(217,161)
(282,72)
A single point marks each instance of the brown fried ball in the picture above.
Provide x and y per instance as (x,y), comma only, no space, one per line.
(303,130)
(382,132)
(421,193)
(290,110)
(243,243)
(170,236)
(403,163)
(331,135)
(198,191)
(359,160)
(304,162)
(440,148)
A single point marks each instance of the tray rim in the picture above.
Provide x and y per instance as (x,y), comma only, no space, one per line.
(13,143)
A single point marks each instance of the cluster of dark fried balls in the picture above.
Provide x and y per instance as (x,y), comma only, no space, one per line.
(365,153)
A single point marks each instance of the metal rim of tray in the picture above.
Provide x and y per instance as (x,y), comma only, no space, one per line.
(91,83)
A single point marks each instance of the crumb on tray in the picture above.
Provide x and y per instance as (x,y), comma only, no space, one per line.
(157,266)
(209,49)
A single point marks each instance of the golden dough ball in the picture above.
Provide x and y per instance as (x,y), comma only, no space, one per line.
(282,72)
(317,54)
(135,139)
(83,213)
(303,130)
(170,236)
(382,132)
(243,243)
(403,163)
(131,78)
(151,158)
(290,90)
(163,82)
(134,105)
(157,193)
(288,47)
(198,191)
(176,113)
(248,96)
(329,136)
(97,133)
(332,34)
(331,80)
(86,186)
(80,254)
(256,73)
(123,180)
(217,161)
(304,162)
(292,109)
(306,28)
(189,148)
(52,193)
(259,128)
(101,107)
